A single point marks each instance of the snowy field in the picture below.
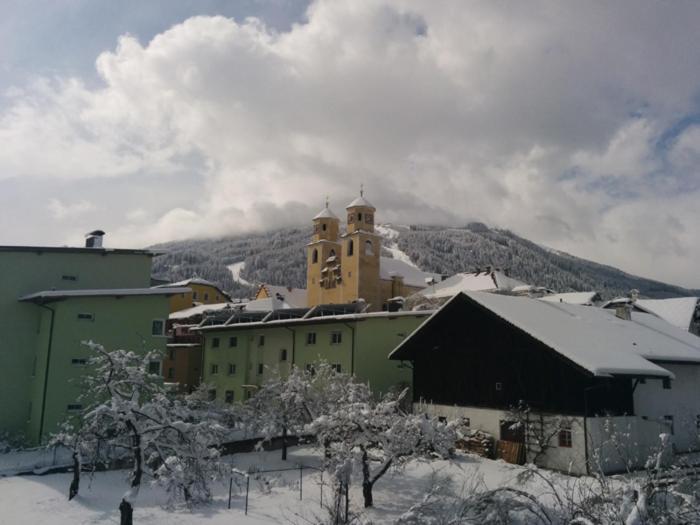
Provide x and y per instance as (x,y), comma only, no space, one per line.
(274,497)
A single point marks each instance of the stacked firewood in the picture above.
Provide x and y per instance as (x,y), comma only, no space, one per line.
(476,442)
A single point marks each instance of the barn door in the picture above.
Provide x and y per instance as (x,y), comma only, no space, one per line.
(511,444)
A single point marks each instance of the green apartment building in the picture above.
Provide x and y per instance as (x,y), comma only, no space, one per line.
(52,299)
(242,349)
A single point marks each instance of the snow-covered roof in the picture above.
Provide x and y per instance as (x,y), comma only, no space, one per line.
(593,338)
(412,276)
(472,282)
(201,309)
(295,297)
(360,201)
(267,304)
(326,213)
(53,295)
(313,319)
(583,298)
(678,311)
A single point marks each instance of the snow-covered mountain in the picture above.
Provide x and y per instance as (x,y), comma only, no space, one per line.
(278,257)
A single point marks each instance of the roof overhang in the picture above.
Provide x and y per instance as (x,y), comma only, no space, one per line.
(48,296)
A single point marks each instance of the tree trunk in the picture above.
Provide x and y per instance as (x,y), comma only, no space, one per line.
(284,443)
(126,509)
(75,484)
(366,482)
(126,512)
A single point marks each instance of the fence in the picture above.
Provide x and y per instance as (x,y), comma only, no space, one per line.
(247,475)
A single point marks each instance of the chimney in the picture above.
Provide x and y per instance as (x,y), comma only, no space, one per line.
(624,311)
(94,239)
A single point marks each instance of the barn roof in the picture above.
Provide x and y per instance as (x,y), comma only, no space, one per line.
(592,338)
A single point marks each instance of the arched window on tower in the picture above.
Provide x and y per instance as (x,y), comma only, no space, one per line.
(351,247)
(323,226)
(369,248)
(314,256)
(331,253)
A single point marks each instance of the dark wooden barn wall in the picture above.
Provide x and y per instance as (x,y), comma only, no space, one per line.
(468,352)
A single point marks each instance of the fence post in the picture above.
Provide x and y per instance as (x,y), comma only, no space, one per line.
(321,489)
(301,481)
(247,489)
(230,487)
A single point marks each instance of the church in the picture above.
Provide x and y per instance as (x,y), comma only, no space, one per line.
(343,267)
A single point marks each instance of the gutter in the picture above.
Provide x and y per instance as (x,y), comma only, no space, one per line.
(294,343)
(46,371)
(352,349)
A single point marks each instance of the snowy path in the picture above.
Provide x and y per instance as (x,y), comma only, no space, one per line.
(390,235)
(236,269)
(274,498)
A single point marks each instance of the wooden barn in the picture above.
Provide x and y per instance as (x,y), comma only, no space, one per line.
(557,379)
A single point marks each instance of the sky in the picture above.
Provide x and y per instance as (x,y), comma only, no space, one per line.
(573,124)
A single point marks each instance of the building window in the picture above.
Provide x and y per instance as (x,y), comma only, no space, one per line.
(261,368)
(697,422)
(499,386)
(314,256)
(359,217)
(194,296)
(69,277)
(231,369)
(171,354)
(215,342)
(336,338)
(78,361)
(323,227)
(86,317)
(351,247)
(261,340)
(74,407)
(206,296)
(229,396)
(669,422)
(214,369)
(154,367)
(336,368)
(311,369)
(311,338)
(368,218)
(666,383)
(369,248)
(565,438)
(232,342)
(171,372)
(212,394)
(158,327)
(248,394)
(283,354)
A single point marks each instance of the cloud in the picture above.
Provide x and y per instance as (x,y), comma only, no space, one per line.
(546,119)
(59,210)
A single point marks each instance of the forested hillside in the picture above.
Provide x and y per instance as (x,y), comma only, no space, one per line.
(278,257)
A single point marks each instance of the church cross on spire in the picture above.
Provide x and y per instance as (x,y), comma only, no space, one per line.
(362,190)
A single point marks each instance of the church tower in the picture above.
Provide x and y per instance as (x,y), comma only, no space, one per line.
(323,258)
(361,252)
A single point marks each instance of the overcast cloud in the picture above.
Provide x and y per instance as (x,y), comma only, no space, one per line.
(576,125)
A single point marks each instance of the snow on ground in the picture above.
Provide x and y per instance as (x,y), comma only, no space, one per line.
(236,269)
(274,497)
(390,235)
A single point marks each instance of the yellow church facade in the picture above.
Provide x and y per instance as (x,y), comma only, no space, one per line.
(343,267)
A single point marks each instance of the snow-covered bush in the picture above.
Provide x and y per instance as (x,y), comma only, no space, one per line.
(172,440)
(378,436)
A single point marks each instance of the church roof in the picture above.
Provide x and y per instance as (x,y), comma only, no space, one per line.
(360,201)
(325,213)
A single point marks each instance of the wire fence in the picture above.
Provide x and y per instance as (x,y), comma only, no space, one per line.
(252,472)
